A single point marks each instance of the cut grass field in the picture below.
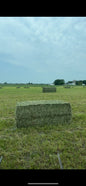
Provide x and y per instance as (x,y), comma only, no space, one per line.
(36,147)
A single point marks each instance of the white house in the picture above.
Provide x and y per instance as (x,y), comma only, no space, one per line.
(72,83)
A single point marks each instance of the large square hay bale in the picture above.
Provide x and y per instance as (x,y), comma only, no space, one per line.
(42,112)
(49,89)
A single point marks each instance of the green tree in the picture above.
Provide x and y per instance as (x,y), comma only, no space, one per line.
(5,83)
(59,82)
(69,82)
(84,82)
(80,82)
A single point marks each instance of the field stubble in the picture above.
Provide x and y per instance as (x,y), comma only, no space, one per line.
(37,146)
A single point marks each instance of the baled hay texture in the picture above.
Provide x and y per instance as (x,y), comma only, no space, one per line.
(42,112)
(49,89)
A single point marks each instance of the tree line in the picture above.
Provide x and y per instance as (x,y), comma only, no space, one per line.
(62,82)
(56,82)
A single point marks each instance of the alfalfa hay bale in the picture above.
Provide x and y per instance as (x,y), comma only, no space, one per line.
(42,112)
(49,89)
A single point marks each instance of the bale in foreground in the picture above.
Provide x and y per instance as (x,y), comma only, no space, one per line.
(42,112)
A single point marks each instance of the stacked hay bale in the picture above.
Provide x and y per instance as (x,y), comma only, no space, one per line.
(42,112)
(49,89)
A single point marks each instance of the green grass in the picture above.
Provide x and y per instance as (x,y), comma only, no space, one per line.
(36,147)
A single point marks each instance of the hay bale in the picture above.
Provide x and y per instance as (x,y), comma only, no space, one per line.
(18,87)
(67,86)
(42,112)
(49,89)
(26,86)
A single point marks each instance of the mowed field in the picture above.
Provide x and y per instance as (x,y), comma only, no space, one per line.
(36,147)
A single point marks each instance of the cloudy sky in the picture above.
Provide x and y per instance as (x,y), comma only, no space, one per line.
(42,49)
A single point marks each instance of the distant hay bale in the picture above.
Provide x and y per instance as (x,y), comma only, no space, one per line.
(67,86)
(42,112)
(26,87)
(49,89)
(17,87)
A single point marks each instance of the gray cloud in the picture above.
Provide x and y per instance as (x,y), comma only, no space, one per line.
(44,43)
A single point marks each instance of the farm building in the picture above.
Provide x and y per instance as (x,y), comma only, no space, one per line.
(71,82)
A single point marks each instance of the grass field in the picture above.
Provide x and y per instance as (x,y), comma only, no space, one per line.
(36,147)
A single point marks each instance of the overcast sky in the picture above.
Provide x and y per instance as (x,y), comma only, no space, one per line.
(42,49)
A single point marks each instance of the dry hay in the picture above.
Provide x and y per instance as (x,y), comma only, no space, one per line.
(49,89)
(17,87)
(42,112)
(67,86)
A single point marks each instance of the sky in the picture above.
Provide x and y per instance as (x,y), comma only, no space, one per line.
(42,49)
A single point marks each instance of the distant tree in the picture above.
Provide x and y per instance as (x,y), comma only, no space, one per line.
(84,82)
(80,82)
(5,83)
(29,83)
(69,82)
(59,82)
